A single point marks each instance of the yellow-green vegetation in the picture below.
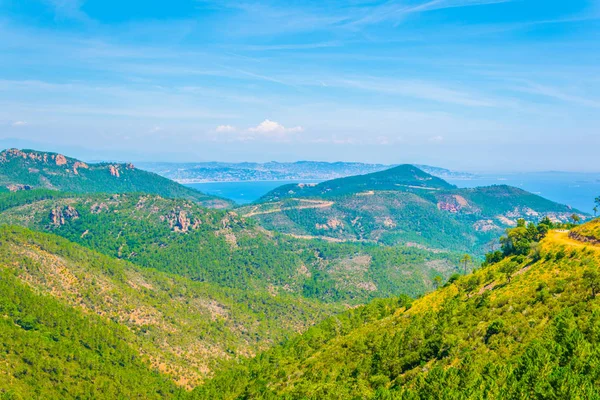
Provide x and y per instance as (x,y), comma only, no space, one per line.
(22,170)
(589,232)
(172,325)
(402,205)
(178,236)
(524,326)
(49,350)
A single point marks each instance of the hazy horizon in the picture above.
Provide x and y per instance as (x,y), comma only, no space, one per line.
(90,155)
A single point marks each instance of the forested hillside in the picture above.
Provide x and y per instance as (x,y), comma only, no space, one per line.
(403,205)
(29,169)
(526,325)
(51,350)
(180,328)
(220,247)
(398,178)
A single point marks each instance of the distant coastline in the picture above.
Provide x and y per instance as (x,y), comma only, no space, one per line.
(299,180)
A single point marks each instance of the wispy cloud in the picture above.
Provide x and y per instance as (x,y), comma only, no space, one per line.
(397,10)
(557,94)
(225,129)
(416,89)
(17,124)
(297,46)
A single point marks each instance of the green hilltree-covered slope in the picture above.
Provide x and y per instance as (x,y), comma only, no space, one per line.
(402,177)
(30,169)
(52,351)
(402,205)
(526,326)
(220,247)
(161,323)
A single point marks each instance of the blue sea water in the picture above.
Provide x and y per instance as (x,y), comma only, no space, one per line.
(577,190)
(242,192)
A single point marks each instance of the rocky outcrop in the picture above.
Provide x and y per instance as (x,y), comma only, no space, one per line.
(114,170)
(179,221)
(389,223)
(97,208)
(130,166)
(59,159)
(79,164)
(447,206)
(585,239)
(332,223)
(11,154)
(183,222)
(18,187)
(454,204)
(60,214)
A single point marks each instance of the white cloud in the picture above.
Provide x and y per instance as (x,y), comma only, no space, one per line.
(273,129)
(225,129)
(19,123)
(267,130)
(436,139)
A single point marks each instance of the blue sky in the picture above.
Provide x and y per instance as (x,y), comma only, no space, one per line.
(466,84)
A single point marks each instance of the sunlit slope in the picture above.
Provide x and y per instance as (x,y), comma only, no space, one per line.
(30,169)
(51,350)
(180,328)
(589,232)
(526,327)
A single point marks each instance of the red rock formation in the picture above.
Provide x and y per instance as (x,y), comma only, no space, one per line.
(445,206)
(60,159)
(179,221)
(183,222)
(114,170)
(79,164)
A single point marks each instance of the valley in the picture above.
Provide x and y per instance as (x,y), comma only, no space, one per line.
(312,284)
(300,200)
(519,326)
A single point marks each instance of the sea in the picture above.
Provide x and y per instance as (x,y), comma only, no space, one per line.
(242,192)
(577,190)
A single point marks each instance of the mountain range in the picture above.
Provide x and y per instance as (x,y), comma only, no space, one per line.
(276,171)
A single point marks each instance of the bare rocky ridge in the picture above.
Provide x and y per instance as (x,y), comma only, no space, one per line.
(58,172)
